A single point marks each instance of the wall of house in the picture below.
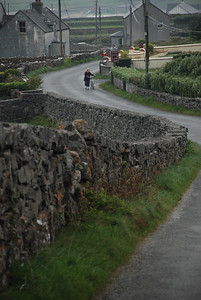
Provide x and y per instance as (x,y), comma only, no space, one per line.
(158,33)
(2,12)
(155,33)
(66,40)
(33,43)
(9,39)
(13,43)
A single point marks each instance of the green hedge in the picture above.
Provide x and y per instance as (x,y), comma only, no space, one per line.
(124,62)
(183,86)
(167,80)
(188,65)
(5,88)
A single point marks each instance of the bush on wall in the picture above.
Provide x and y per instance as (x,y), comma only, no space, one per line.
(5,88)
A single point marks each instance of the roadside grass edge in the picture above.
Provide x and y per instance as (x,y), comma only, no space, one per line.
(147,101)
(87,252)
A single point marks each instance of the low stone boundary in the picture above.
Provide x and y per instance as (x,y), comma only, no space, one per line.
(191,103)
(45,173)
(179,48)
(31,64)
(154,62)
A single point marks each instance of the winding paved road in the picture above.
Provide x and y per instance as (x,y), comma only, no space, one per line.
(168,263)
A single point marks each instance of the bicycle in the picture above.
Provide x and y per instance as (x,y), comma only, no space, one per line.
(91,83)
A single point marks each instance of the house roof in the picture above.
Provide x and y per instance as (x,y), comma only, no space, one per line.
(118,34)
(181,9)
(44,20)
(138,5)
(2,12)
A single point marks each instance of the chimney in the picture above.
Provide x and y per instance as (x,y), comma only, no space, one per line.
(37,5)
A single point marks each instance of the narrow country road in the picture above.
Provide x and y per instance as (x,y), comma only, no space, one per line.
(168,263)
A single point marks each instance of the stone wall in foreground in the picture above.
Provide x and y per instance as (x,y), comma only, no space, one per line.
(45,173)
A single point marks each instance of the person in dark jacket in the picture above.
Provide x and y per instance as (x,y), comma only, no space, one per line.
(87,76)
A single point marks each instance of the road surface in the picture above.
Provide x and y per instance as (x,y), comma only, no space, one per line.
(168,263)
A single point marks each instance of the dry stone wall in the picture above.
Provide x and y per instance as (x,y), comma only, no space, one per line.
(45,173)
(191,103)
(28,64)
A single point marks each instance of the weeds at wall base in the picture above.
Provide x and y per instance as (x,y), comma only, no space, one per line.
(148,101)
(84,256)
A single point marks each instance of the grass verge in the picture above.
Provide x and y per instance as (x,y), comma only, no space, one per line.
(148,101)
(86,254)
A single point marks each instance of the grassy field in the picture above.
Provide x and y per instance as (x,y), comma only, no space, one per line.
(87,252)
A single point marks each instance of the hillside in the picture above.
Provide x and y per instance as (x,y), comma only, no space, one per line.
(73,8)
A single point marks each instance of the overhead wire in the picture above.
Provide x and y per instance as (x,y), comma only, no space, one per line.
(66,9)
(133,12)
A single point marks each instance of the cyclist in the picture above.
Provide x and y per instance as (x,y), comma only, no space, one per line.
(87,76)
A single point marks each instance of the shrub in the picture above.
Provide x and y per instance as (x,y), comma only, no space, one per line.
(11,72)
(68,62)
(5,88)
(125,62)
(124,54)
(35,82)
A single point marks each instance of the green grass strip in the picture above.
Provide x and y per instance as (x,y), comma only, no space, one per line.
(148,101)
(85,255)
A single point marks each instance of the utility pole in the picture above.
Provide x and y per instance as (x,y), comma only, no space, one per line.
(96,19)
(131,24)
(100,20)
(60,29)
(146,33)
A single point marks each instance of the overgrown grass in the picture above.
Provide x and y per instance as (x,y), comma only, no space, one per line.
(43,120)
(67,64)
(100,76)
(86,254)
(148,101)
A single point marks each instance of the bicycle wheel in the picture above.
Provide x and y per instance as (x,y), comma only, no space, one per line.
(92,85)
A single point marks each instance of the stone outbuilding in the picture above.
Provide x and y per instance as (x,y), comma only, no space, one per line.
(32,32)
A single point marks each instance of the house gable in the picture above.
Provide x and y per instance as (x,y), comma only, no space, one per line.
(183,9)
(158,24)
(2,12)
(33,32)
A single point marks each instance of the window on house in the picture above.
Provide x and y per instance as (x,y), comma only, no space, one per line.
(160,25)
(120,42)
(22,26)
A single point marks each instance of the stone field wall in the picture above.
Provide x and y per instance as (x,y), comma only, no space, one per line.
(191,103)
(33,63)
(45,173)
